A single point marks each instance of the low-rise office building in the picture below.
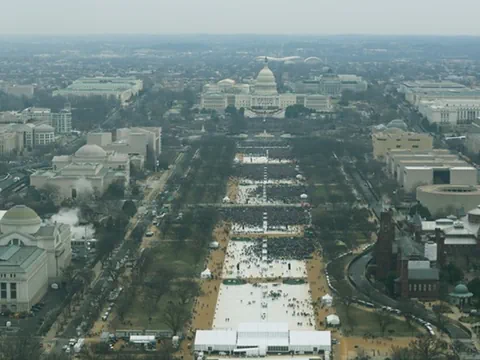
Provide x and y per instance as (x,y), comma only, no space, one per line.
(394,157)
(20,137)
(61,121)
(122,88)
(457,239)
(395,138)
(414,176)
(17,90)
(32,256)
(435,167)
(450,112)
(331,84)
(137,142)
(426,90)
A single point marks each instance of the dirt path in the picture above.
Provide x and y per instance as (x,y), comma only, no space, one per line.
(232,189)
(350,347)
(204,307)
(318,288)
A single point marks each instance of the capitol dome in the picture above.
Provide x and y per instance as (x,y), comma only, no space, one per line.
(87,151)
(265,83)
(20,218)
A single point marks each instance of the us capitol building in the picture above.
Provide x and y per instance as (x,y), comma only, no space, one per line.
(260,98)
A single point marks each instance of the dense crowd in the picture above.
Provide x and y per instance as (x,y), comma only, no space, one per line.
(257,171)
(285,248)
(279,153)
(254,216)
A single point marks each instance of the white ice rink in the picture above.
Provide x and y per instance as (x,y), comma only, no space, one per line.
(252,266)
(266,302)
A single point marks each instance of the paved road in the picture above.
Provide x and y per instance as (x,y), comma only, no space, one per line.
(356,274)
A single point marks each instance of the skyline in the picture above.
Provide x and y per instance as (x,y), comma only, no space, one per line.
(217,17)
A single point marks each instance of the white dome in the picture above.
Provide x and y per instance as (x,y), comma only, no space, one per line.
(20,218)
(90,151)
(265,84)
(227,82)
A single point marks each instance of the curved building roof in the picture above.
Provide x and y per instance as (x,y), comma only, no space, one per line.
(265,83)
(227,82)
(20,212)
(20,217)
(461,291)
(397,123)
(44,128)
(91,151)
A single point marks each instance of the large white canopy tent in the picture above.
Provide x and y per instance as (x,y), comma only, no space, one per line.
(333,320)
(266,337)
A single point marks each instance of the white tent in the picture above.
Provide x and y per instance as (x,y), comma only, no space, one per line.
(213,245)
(206,274)
(142,339)
(327,300)
(333,320)
(304,196)
(226,199)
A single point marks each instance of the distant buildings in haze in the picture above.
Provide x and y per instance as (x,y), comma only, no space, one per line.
(122,88)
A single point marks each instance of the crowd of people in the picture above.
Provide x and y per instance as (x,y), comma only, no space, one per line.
(286,248)
(276,216)
(257,171)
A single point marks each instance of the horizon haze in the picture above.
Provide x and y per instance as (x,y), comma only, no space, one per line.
(307,17)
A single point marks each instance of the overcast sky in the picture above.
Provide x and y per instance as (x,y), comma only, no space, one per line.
(450,17)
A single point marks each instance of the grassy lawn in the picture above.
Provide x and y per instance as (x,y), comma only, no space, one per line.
(319,195)
(139,317)
(360,322)
(173,256)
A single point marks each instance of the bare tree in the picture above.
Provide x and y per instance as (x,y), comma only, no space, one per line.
(347,302)
(400,353)
(19,347)
(407,308)
(175,316)
(186,290)
(124,302)
(439,312)
(428,347)
(384,319)
(68,276)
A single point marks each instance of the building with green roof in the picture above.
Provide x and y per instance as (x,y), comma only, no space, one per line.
(33,255)
(460,296)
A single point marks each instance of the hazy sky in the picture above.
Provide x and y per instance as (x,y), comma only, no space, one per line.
(449,17)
